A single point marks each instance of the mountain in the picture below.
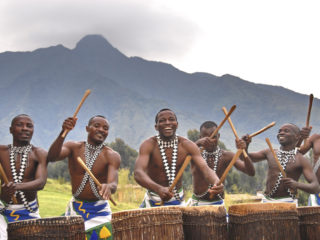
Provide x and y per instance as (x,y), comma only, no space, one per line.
(49,83)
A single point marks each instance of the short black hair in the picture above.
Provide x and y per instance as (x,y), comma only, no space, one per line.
(295,128)
(208,124)
(20,115)
(90,120)
(165,109)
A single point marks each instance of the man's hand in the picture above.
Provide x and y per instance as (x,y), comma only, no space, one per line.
(305,132)
(105,191)
(290,183)
(69,124)
(216,189)
(164,193)
(7,191)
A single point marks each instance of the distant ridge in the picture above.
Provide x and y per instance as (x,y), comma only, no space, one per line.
(48,84)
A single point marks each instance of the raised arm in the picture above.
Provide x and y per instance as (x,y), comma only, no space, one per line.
(257,156)
(243,164)
(308,144)
(58,150)
(140,171)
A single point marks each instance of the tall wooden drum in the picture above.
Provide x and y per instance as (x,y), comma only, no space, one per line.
(267,221)
(204,222)
(68,228)
(309,221)
(152,223)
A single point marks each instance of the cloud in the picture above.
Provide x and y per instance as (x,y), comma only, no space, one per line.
(135,27)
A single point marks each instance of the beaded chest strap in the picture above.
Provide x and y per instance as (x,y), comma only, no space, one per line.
(212,159)
(284,157)
(17,177)
(91,153)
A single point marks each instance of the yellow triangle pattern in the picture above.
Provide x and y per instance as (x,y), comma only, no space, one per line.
(104,233)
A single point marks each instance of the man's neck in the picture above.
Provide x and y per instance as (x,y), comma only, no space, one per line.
(287,148)
(20,143)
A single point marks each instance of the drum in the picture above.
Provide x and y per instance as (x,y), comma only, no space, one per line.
(204,222)
(152,223)
(69,228)
(266,221)
(309,221)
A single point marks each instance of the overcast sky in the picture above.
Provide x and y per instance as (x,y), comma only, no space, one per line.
(275,42)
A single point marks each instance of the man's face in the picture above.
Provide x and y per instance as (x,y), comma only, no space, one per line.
(287,135)
(22,129)
(167,124)
(98,130)
(206,132)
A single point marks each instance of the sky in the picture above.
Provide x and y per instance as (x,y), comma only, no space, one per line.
(274,42)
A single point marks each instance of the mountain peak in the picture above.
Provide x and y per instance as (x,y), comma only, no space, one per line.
(96,44)
(93,40)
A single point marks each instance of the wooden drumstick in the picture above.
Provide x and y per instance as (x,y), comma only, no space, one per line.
(188,158)
(262,130)
(234,131)
(87,92)
(308,117)
(276,158)
(226,171)
(179,174)
(6,181)
(93,177)
(223,121)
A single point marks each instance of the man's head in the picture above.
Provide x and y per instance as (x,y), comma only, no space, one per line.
(166,123)
(98,129)
(21,128)
(206,129)
(288,134)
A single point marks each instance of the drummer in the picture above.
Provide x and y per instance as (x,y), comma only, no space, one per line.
(90,201)
(26,169)
(161,157)
(218,160)
(313,142)
(294,164)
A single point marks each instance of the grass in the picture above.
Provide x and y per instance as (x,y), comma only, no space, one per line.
(54,198)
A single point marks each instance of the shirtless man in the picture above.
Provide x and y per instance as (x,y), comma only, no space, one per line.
(26,169)
(313,142)
(293,163)
(218,160)
(88,200)
(161,157)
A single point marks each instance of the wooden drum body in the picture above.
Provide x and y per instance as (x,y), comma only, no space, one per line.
(204,222)
(152,223)
(309,221)
(267,221)
(71,228)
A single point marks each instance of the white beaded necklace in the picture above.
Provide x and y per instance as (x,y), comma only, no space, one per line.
(170,172)
(90,159)
(284,157)
(17,177)
(206,155)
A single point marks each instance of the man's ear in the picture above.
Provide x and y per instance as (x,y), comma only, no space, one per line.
(10,129)
(156,127)
(87,128)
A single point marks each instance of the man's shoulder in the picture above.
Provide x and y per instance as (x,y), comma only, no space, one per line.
(4,148)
